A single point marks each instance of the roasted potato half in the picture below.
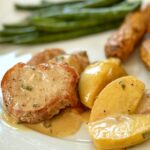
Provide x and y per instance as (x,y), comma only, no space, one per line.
(96,76)
(120,96)
(120,131)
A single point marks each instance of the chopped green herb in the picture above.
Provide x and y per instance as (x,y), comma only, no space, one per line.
(123,86)
(146,135)
(59,58)
(148,95)
(47,124)
(36,105)
(51,131)
(33,68)
(132,84)
(26,87)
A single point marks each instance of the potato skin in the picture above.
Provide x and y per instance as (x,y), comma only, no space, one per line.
(120,96)
(122,43)
(96,76)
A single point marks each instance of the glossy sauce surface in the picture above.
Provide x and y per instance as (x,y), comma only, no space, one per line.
(9,121)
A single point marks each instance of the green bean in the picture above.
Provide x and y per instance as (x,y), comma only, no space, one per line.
(11,38)
(69,22)
(76,4)
(86,4)
(45,5)
(5,39)
(96,3)
(117,11)
(59,26)
(100,3)
(64,35)
(16,25)
(16,31)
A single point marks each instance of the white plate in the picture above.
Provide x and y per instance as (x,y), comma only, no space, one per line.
(12,139)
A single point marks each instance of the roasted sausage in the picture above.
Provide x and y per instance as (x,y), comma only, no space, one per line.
(145,52)
(145,49)
(122,43)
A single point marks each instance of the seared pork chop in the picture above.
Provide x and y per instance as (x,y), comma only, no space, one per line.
(35,93)
(78,60)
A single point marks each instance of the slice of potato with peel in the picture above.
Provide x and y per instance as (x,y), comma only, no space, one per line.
(96,76)
(120,131)
(120,96)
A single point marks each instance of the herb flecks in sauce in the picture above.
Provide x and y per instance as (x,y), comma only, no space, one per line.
(59,58)
(55,127)
(122,84)
(146,135)
(26,87)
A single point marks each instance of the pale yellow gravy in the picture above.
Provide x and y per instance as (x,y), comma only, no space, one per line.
(62,125)
(66,123)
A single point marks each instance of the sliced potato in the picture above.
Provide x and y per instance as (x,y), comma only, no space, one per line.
(96,76)
(120,96)
(120,131)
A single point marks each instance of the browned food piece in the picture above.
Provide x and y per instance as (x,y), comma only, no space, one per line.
(122,43)
(145,52)
(33,94)
(77,60)
(83,59)
(45,55)
(145,48)
(148,29)
(144,105)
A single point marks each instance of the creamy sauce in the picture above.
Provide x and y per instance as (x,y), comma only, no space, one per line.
(32,81)
(66,123)
(11,122)
(62,125)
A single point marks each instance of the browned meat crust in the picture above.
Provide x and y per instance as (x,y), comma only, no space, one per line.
(148,29)
(45,55)
(77,60)
(33,94)
(145,48)
(83,59)
(122,43)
